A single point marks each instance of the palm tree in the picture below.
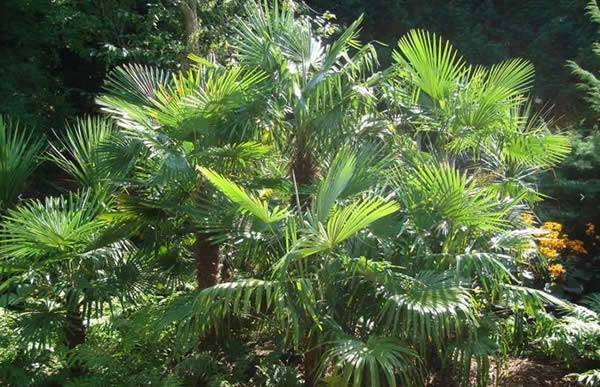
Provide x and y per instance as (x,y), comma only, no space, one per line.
(169,123)
(61,269)
(78,154)
(318,91)
(376,279)
(19,156)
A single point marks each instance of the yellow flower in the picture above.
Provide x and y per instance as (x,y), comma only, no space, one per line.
(552,242)
(527,219)
(557,271)
(590,229)
(552,226)
(548,253)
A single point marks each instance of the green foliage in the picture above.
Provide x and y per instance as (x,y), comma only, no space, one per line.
(490,32)
(572,339)
(74,44)
(358,361)
(19,156)
(575,186)
(57,71)
(78,155)
(589,84)
(247,202)
(587,378)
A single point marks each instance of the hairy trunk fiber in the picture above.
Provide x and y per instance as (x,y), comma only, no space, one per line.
(310,364)
(303,170)
(206,257)
(74,329)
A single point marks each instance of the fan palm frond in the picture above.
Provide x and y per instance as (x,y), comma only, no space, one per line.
(530,299)
(379,361)
(435,193)
(198,312)
(537,151)
(136,83)
(41,324)
(19,152)
(78,153)
(56,227)
(435,66)
(488,269)
(474,350)
(343,223)
(335,182)
(432,308)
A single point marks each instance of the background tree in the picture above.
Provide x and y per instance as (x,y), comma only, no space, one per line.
(575,188)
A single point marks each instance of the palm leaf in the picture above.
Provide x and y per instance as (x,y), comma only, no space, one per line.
(246,201)
(530,299)
(78,153)
(438,192)
(434,65)
(364,363)
(198,312)
(335,182)
(537,151)
(136,83)
(488,269)
(19,152)
(343,223)
(55,228)
(431,309)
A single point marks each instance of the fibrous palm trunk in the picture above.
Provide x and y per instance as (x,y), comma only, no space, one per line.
(303,170)
(74,329)
(206,258)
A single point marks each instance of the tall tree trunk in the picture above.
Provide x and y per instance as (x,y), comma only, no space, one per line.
(207,260)
(191,24)
(206,257)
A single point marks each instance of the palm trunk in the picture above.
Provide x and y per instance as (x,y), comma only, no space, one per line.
(310,362)
(303,170)
(74,329)
(206,257)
